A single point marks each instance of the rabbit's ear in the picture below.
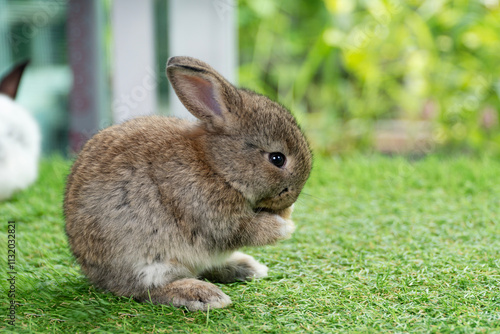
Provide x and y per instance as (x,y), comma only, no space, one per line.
(10,83)
(203,91)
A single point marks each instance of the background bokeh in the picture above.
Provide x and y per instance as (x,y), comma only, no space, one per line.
(394,76)
(391,75)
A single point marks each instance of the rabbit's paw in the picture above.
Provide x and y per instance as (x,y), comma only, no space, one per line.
(191,293)
(247,267)
(238,267)
(286,229)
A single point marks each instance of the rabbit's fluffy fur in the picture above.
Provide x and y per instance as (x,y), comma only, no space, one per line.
(19,145)
(155,204)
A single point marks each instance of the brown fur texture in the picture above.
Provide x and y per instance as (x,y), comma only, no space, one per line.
(155,203)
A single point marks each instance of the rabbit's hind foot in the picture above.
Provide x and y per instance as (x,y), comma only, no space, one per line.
(191,293)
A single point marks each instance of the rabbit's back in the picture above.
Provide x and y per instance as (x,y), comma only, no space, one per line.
(131,197)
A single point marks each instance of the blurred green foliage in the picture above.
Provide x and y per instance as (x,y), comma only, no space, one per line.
(344,65)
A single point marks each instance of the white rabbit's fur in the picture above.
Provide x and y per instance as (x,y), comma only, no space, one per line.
(19,147)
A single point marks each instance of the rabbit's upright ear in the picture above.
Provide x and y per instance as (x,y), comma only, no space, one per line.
(203,91)
(10,83)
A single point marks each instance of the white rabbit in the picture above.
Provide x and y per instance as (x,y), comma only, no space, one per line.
(20,138)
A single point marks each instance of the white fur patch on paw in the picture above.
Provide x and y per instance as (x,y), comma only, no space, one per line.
(259,269)
(197,295)
(287,227)
(220,301)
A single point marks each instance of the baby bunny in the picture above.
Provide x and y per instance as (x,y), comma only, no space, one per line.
(19,138)
(157,204)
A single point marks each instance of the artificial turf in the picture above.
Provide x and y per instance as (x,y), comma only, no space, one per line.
(383,244)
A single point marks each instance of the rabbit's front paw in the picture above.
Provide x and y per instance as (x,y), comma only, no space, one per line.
(287,227)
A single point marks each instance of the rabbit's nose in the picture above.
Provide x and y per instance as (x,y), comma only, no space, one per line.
(284,191)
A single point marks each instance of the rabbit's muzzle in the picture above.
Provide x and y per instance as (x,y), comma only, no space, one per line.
(280,201)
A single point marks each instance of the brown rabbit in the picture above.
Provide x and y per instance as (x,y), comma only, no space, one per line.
(155,204)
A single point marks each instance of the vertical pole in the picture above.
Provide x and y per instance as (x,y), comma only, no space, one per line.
(206,30)
(134,78)
(85,58)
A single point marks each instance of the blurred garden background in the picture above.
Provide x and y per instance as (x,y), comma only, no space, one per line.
(395,76)
(418,75)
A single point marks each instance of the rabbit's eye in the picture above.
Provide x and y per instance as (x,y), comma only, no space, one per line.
(278,159)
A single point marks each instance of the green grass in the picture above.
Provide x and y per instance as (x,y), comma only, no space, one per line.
(382,244)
